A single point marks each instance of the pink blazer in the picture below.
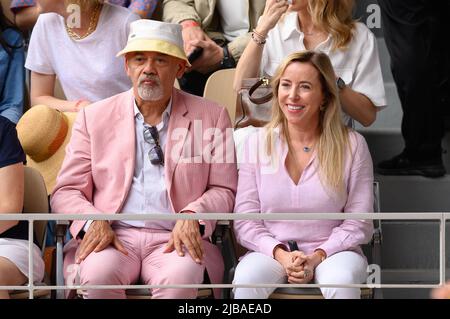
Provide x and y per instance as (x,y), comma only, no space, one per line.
(98,168)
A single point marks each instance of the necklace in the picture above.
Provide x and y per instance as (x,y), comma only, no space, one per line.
(312,33)
(92,24)
(307,149)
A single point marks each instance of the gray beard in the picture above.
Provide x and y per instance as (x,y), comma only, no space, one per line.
(150,94)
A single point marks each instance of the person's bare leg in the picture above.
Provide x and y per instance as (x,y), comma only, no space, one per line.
(10,275)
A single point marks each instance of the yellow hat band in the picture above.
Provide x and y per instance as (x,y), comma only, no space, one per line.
(147,45)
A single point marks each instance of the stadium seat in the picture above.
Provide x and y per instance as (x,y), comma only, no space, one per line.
(219,89)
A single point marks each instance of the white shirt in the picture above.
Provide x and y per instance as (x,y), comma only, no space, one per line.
(88,68)
(148,192)
(234,17)
(358,65)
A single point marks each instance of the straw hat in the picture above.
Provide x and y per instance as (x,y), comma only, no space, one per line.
(150,35)
(44,133)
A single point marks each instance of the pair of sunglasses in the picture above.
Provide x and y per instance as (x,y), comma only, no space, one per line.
(155,154)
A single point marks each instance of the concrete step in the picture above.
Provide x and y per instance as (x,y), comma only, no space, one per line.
(409,276)
(410,255)
(407,193)
(386,143)
(412,245)
(414,194)
(383,143)
(410,249)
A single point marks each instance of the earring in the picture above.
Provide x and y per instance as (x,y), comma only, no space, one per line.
(322,108)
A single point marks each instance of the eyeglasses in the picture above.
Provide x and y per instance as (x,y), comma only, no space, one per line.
(155,154)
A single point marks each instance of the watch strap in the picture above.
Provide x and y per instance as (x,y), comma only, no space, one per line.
(228,60)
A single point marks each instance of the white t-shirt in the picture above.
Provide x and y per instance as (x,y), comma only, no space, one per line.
(234,17)
(88,68)
(358,65)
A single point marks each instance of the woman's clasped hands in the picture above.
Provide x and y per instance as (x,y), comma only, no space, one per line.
(299,267)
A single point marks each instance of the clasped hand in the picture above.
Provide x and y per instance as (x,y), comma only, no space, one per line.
(298,266)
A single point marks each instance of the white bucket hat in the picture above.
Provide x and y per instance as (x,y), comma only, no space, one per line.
(156,36)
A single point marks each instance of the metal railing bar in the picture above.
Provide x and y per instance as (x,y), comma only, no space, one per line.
(442,259)
(224,219)
(191,286)
(30,258)
(220,216)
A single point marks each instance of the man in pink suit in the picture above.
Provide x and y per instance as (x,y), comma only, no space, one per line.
(153,149)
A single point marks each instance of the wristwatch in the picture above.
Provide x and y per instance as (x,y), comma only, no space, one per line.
(228,60)
(322,253)
(340,84)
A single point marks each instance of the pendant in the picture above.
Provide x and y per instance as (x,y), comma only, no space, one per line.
(306,149)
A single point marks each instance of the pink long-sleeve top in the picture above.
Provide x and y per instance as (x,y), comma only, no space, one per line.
(266,187)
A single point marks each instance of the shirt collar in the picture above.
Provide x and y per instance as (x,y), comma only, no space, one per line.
(165,116)
(289,25)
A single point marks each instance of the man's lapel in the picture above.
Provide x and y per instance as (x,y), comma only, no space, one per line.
(125,141)
(177,133)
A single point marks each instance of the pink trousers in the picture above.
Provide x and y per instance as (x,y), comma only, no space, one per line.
(145,263)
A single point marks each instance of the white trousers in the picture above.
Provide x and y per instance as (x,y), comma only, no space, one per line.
(346,267)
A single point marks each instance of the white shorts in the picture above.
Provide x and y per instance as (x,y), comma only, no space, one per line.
(16,250)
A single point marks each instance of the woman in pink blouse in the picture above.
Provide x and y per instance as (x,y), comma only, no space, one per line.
(304,160)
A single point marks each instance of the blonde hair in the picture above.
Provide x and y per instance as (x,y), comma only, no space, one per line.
(333,135)
(335,17)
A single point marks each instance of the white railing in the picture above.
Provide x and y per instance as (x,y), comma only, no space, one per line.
(441,217)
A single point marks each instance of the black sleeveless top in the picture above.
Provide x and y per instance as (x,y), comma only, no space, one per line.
(11,153)
(20,231)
